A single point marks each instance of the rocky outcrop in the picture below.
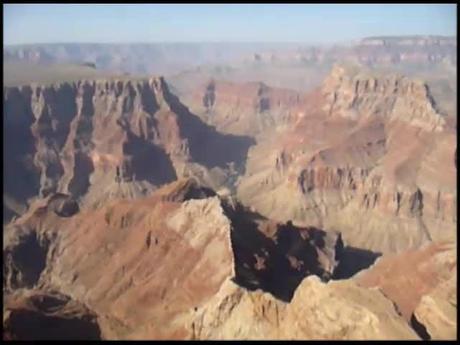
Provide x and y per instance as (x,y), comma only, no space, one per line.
(353,94)
(437,311)
(184,190)
(406,277)
(421,283)
(333,311)
(28,245)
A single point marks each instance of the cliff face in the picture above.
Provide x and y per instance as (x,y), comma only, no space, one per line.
(391,96)
(116,137)
(243,109)
(438,310)
(359,157)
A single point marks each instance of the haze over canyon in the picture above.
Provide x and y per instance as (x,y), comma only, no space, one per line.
(231,190)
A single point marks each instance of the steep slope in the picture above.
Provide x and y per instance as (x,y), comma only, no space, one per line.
(437,311)
(406,277)
(422,284)
(99,139)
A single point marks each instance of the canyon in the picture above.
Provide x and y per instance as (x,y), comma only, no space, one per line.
(222,208)
(356,155)
(73,136)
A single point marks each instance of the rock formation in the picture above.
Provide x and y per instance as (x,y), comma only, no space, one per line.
(421,283)
(357,95)
(358,158)
(437,311)
(337,310)
(406,277)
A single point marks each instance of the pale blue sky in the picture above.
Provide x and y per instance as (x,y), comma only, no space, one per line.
(54,23)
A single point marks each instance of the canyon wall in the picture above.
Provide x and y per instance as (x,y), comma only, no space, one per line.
(99,139)
(359,157)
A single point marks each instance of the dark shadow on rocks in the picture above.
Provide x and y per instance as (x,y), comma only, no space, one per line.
(47,303)
(209,147)
(21,178)
(147,161)
(27,324)
(419,328)
(190,189)
(47,315)
(83,164)
(25,261)
(83,168)
(63,205)
(277,257)
(353,260)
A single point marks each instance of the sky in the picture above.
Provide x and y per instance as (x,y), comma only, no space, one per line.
(113,23)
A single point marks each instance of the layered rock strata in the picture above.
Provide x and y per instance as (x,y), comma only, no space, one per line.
(361,159)
(100,139)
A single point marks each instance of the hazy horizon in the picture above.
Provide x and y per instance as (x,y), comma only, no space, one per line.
(224,42)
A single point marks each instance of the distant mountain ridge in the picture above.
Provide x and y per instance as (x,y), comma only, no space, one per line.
(165,58)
